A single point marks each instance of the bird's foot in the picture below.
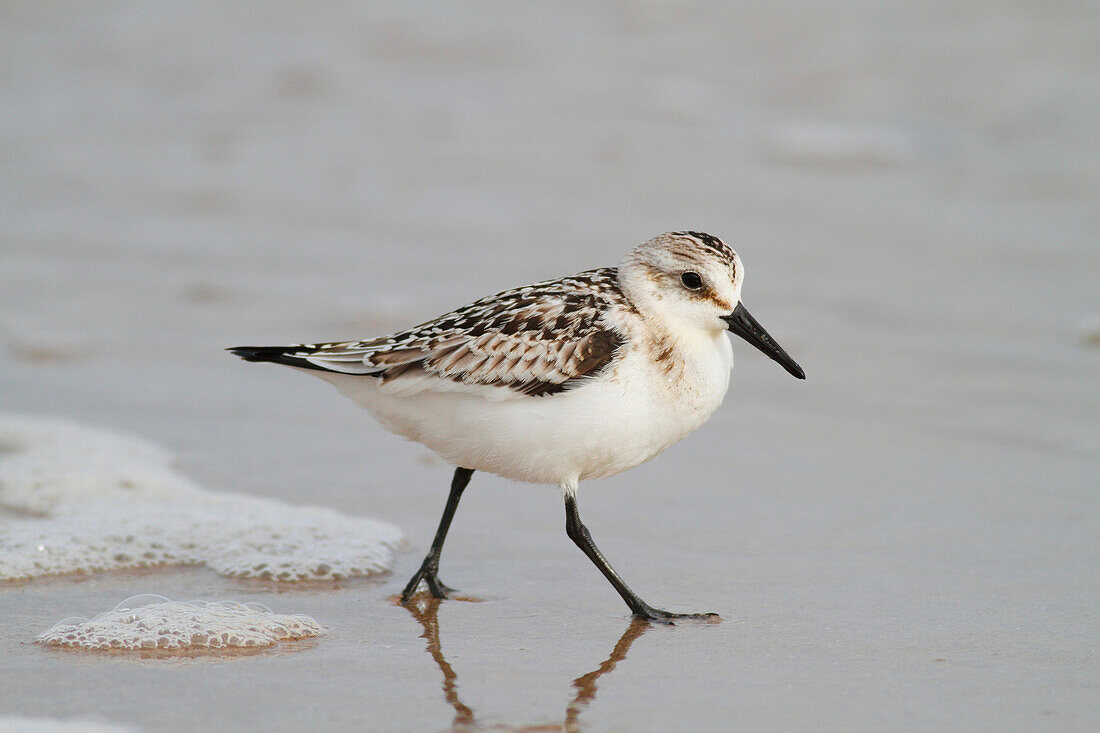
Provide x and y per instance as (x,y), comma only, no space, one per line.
(429,573)
(656,615)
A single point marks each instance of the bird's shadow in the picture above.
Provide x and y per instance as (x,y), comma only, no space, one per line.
(425,610)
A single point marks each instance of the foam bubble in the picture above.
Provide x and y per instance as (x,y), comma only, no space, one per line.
(90,500)
(155,623)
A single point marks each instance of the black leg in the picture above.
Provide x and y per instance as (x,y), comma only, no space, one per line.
(580,535)
(429,569)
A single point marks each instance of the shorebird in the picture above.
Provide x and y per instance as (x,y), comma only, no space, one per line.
(558,382)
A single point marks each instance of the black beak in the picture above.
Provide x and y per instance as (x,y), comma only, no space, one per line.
(744,325)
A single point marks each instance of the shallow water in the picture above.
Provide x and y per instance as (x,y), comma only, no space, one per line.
(907,540)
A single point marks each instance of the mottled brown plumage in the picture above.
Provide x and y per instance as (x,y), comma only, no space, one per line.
(537,340)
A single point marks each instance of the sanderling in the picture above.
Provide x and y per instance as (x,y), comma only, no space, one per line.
(557,382)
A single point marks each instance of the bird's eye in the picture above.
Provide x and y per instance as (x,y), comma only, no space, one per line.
(691,280)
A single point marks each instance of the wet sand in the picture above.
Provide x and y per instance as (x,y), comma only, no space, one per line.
(907,540)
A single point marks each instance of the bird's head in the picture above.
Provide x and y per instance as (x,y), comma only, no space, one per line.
(692,281)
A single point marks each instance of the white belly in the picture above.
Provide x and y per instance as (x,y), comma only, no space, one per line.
(613,422)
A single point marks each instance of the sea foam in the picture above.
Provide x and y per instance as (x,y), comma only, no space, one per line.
(151,622)
(81,499)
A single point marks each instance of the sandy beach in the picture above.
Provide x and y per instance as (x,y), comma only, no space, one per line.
(906,541)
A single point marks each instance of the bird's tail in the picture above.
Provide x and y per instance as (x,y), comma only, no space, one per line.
(290,355)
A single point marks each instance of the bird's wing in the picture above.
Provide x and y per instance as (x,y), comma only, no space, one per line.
(535,340)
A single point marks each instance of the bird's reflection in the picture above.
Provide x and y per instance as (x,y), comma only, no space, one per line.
(586,684)
(426,611)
